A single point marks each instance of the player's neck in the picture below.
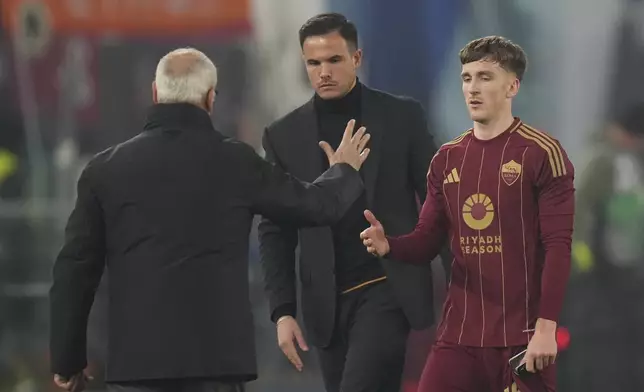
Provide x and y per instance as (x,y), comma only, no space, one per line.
(493,128)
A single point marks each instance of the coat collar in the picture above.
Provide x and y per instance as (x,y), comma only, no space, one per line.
(179,115)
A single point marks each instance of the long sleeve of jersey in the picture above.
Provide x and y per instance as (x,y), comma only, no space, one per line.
(426,241)
(556,201)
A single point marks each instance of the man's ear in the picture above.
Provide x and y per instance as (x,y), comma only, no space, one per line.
(155,98)
(357,58)
(210,100)
(514,88)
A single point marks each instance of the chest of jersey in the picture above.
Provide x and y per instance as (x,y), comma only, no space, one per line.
(489,195)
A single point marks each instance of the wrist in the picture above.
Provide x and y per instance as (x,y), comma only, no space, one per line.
(282,319)
(387,249)
(285,309)
(545,326)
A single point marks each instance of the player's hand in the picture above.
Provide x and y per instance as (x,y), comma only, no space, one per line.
(288,332)
(373,237)
(76,383)
(351,149)
(542,349)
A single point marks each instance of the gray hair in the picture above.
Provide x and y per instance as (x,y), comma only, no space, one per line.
(185,76)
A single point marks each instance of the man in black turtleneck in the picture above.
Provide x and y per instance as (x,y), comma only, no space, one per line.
(353,264)
(358,309)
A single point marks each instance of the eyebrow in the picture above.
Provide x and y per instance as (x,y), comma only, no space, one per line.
(334,57)
(479,73)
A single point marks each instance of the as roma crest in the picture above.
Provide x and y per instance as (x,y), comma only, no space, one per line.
(510,172)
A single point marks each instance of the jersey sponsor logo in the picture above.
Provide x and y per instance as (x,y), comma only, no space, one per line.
(478,214)
(510,172)
(478,211)
(481,244)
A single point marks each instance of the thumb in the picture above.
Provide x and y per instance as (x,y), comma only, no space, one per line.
(371,218)
(300,339)
(327,149)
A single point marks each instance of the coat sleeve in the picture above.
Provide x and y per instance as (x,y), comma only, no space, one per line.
(77,273)
(277,243)
(282,198)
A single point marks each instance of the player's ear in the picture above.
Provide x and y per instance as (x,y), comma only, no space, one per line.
(513,89)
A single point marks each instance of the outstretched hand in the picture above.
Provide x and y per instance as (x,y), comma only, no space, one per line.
(373,237)
(351,149)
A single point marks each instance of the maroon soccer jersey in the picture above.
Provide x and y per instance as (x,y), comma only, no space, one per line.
(507,206)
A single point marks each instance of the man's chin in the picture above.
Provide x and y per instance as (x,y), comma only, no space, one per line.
(478,117)
(329,94)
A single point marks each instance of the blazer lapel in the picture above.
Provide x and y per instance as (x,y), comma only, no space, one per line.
(307,153)
(372,119)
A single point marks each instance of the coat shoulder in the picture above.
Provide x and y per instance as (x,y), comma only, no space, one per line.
(393,100)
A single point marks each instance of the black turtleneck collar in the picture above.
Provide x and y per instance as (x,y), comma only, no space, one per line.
(178,115)
(350,103)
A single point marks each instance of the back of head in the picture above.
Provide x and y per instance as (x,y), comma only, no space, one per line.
(496,49)
(185,75)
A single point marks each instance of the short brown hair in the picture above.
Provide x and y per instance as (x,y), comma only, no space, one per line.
(323,24)
(500,50)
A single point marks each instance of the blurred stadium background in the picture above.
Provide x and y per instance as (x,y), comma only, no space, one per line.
(75,78)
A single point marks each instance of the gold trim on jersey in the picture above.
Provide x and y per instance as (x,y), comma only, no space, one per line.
(550,146)
(516,126)
(458,139)
(513,388)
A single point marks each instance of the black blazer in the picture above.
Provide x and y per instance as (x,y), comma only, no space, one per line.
(169,212)
(394,174)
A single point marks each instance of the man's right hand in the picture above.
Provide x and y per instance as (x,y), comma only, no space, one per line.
(351,149)
(76,383)
(373,237)
(288,332)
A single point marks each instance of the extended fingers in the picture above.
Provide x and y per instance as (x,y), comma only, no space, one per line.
(294,358)
(358,137)
(362,142)
(348,131)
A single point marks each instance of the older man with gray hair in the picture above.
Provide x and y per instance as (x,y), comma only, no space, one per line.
(169,213)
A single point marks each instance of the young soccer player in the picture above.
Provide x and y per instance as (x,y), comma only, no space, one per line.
(503,194)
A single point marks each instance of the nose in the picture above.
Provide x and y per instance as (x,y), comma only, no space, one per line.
(473,88)
(325,71)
